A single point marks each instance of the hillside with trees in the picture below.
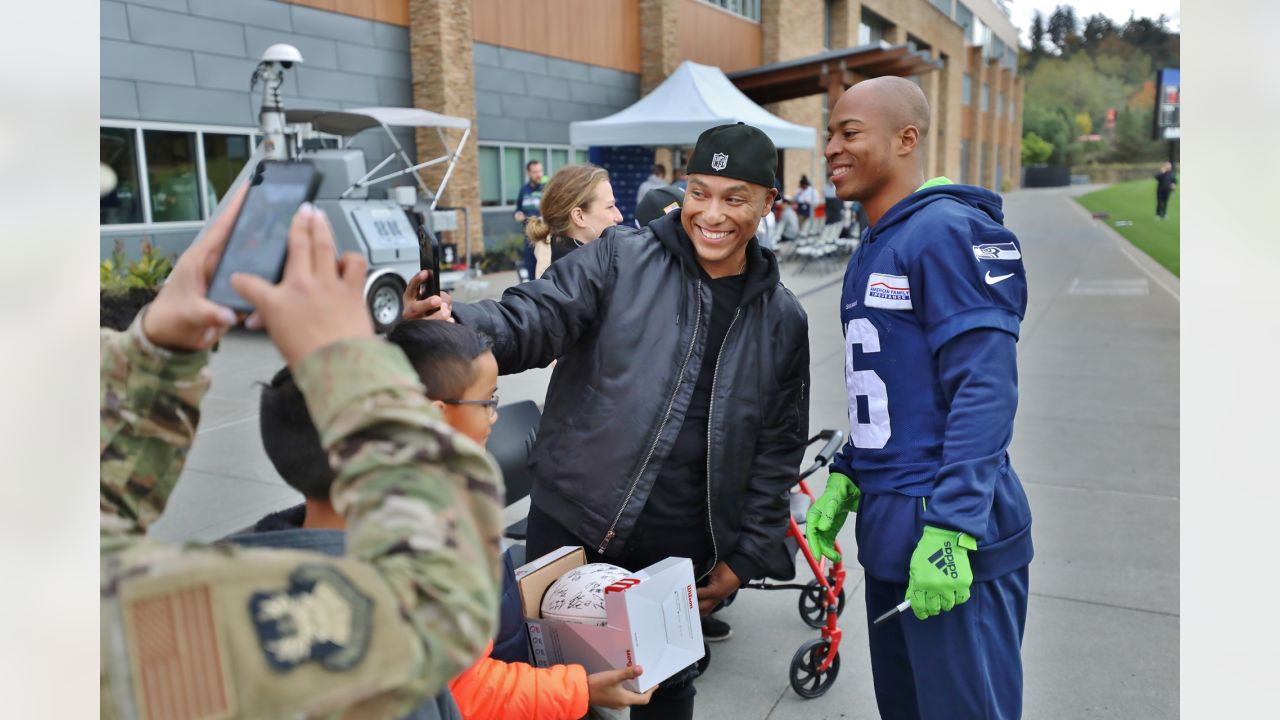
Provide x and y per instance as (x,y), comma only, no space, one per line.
(1080,73)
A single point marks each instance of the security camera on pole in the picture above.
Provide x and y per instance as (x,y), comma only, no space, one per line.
(270,72)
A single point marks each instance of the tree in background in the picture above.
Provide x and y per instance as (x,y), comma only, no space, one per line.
(1062,30)
(1075,73)
(1035,150)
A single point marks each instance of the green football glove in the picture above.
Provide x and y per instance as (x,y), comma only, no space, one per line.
(939,574)
(827,515)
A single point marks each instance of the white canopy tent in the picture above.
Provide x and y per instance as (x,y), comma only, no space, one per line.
(692,99)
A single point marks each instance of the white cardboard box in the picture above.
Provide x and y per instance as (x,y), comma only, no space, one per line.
(653,620)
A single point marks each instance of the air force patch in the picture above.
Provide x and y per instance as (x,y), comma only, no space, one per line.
(891,292)
(997,251)
(321,616)
(719,161)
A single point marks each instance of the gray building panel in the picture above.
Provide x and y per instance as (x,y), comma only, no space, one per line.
(523,61)
(547,87)
(503,81)
(118,99)
(395,92)
(316,52)
(131,61)
(113,22)
(301,103)
(340,86)
(175,5)
(547,131)
(320,23)
(488,103)
(573,71)
(263,13)
(523,106)
(187,32)
(621,97)
(482,54)
(498,128)
(195,105)
(609,76)
(589,93)
(372,61)
(569,111)
(391,37)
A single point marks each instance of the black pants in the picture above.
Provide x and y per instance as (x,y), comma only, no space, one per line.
(646,546)
(1162,203)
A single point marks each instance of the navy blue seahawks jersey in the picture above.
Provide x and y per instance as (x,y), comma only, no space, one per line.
(938,265)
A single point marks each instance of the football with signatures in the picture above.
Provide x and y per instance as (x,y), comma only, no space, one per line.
(578,596)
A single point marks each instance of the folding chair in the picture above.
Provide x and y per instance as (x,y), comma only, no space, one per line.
(510,443)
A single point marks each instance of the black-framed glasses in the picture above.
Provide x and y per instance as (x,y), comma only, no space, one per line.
(491,405)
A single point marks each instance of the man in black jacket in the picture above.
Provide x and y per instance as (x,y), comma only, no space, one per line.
(677,415)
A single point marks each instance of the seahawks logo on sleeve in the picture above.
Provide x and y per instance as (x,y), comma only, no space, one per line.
(997,251)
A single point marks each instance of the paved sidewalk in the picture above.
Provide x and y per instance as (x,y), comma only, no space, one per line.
(1096,444)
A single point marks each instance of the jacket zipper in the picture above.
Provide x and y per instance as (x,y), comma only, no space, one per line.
(711,410)
(608,536)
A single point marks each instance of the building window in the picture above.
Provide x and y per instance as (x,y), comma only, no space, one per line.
(917,45)
(1011,115)
(749,9)
(871,28)
(964,162)
(502,168)
(169,172)
(979,33)
(171,175)
(966,91)
(999,104)
(224,156)
(986,97)
(944,6)
(963,17)
(827,8)
(118,149)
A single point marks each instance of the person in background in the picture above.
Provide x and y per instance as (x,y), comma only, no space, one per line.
(658,202)
(789,219)
(682,179)
(1166,183)
(834,205)
(528,205)
(577,207)
(657,178)
(194,631)
(806,198)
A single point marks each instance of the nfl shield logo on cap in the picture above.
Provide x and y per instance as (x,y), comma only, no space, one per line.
(719,161)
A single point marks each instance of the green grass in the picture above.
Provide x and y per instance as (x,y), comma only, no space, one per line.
(1136,202)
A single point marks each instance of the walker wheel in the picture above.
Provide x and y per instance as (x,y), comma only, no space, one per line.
(806,679)
(813,609)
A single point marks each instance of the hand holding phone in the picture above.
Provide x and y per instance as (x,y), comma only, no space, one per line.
(260,235)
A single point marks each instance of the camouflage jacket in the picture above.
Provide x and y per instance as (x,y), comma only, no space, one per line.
(217,631)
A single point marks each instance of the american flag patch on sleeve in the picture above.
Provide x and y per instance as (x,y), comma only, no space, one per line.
(178,662)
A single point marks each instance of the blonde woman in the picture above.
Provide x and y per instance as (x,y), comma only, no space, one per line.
(577,207)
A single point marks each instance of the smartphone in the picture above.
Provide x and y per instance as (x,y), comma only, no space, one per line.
(260,236)
(428,259)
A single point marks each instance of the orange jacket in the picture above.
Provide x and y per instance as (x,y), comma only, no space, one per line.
(494,690)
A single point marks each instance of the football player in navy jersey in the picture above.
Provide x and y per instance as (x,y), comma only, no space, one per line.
(932,303)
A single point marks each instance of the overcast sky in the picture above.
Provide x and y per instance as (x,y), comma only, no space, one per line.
(1117,10)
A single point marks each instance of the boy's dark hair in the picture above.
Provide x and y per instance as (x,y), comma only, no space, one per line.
(291,439)
(441,353)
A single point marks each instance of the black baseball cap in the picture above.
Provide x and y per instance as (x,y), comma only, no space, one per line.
(737,151)
(658,202)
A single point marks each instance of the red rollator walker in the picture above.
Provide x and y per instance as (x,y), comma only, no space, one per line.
(815,665)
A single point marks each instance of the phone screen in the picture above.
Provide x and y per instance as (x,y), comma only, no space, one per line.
(260,237)
(428,259)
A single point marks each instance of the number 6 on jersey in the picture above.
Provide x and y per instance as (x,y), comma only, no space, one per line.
(867,394)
